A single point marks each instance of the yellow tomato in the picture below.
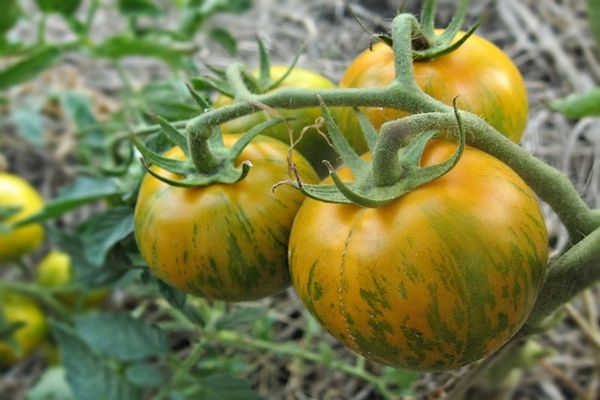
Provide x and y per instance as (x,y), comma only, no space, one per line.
(16,192)
(16,308)
(485,79)
(55,271)
(434,280)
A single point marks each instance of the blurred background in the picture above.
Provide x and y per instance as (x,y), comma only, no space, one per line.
(53,110)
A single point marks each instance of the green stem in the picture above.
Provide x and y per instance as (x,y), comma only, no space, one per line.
(393,96)
(202,157)
(39,294)
(182,370)
(567,275)
(404,28)
(41,30)
(551,185)
(236,80)
(243,341)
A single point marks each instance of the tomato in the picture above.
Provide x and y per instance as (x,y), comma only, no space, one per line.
(434,280)
(312,146)
(16,308)
(222,241)
(16,192)
(55,271)
(484,77)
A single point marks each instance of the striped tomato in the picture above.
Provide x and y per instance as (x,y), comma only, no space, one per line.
(485,78)
(434,280)
(222,241)
(312,146)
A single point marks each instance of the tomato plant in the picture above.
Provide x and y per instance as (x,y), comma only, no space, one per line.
(485,79)
(312,146)
(19,309)
(55,271)
(25,201)
(222,241)
(434,280)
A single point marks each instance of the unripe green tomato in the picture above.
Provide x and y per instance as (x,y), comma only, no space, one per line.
(312,146)
(16,308)
(55,271)
(16,192)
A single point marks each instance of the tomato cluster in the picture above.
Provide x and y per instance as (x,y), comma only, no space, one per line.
(436,279)
(53,271)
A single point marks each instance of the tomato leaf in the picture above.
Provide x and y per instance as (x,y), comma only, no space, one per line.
(29,123)
(175,297)
(89,375)
(146,375)
(224,38)
(51,386)
(121,46)
(10,15)
(121,336)
(170,100)
(579,105)
(103,230)
(84,190)
(29,66)
(65,7)
(594,18)
(139,7)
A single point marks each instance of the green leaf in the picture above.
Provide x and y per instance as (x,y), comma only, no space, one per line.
(579,105)
(121,46)
(10,15)
(78,109)
(30,66)
(51,386)
(169,99)
(594,18)
(225,39)
(65,7)
(116,265)
(8,211)
(139,7)
(121,336)
(146,375)
(196,13)
(240,317)
(89,375)
(29,123)
(175,297)
(103,230)
(233,6)
(84,190)
(402,379)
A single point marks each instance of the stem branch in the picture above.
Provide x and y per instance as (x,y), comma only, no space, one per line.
(243,341)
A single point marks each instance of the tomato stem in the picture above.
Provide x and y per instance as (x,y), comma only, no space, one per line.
(404,28)
(237,83)
(200,152)
(568,275)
